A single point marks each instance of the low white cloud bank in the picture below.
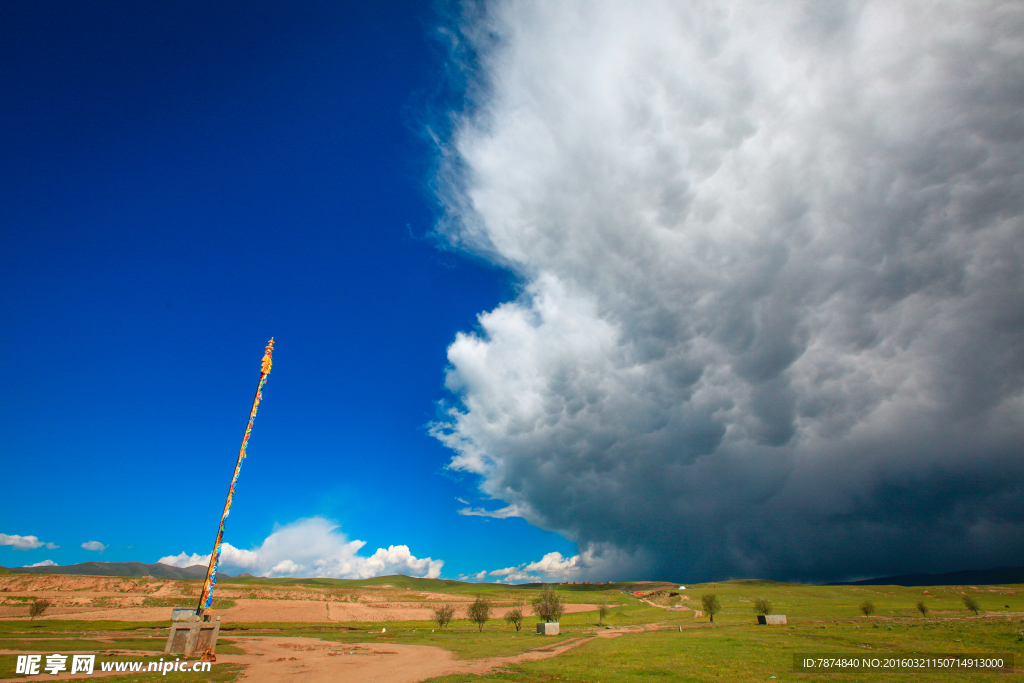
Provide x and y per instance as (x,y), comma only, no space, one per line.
(771,321)
(94,545)
(314,547)
(25,542)
(594,564)
(44,563)
(551,567)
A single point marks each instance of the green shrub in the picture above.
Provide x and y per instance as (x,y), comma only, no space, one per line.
(971,603)
(548,605)
(711,605)
(762,605)
(443,614)
(37,608)
(480,612)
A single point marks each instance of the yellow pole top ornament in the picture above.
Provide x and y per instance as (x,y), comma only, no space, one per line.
(268,357)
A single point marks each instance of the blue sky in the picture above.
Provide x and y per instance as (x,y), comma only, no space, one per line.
(181,182)
(577,289)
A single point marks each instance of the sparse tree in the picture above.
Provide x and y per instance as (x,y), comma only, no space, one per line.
(602,612)
(548,605)
(515,616)
(922,608)
(443,614)
(867,607)
(37,608)
(762,605)
(711,605)
(480,611)
(971,603)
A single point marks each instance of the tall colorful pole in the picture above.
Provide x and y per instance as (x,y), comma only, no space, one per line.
(206,597)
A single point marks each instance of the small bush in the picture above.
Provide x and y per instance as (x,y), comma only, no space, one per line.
(711,605)
(480,612)
(443,614)
(971,603)
(515,616)
(762,605)
(922,608)
(37,608)
(548,605)
(867,607)
(602,612)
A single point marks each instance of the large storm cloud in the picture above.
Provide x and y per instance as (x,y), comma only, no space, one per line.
(772,315)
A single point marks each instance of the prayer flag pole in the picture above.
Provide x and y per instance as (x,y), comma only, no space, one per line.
(206,597)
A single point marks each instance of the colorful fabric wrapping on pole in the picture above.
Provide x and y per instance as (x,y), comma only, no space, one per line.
(206,597)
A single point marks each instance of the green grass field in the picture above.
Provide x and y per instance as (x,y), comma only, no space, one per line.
(752,653)
(822,620)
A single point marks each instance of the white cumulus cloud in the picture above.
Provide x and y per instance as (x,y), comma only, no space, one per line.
(314,547)
(44,563)
(771,262)
(25,542)
(593,564)
(94,545)
(553,563)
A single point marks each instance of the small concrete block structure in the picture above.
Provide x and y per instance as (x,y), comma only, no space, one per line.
(191,633)
(772,619)
(548,628)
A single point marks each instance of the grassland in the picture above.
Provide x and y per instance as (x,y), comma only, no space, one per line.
(751,653)
(673,646)
(822,620)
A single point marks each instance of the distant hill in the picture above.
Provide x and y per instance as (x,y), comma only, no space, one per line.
(126,569)
(974,577)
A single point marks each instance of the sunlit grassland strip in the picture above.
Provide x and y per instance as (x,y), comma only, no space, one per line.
(749,653)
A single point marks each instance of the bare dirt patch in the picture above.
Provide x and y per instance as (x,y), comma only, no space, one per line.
(316,661)
(103,598)
(35,583)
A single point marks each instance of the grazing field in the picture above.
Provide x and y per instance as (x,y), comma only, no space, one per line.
(749,653)
(652,631)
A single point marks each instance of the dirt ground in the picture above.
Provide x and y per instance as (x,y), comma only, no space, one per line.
(314,661)
(270,659)
(132,599)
